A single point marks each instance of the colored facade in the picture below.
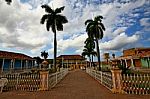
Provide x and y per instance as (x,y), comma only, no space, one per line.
(15,61)
(72,61)
(135,57)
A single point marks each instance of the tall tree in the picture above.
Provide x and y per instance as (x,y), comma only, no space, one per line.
(89,48)
(55,21)
(95,29)
(93,53)
(87,53)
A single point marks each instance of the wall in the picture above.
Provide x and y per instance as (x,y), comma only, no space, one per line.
(7,64)
(17,64)
(144,62)
(137,62)
(129,52)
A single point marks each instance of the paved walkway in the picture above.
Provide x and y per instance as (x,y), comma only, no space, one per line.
(76,85)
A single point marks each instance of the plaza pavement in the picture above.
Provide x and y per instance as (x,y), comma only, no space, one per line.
(76,85)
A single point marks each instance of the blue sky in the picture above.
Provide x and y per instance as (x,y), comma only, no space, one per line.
(127,25)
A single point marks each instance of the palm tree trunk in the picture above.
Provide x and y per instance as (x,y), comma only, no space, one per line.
(98,54)
(90,61)
(55,50)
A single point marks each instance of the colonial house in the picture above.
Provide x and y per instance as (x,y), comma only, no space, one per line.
(72,61)
(14,61)
(135,57)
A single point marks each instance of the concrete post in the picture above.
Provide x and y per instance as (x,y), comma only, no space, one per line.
(44,80)
(44,76)
(116,78)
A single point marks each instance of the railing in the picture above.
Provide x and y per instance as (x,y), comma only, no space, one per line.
(55,78)
(129,84)
(136,84)
(28,82)
(105,78)
(31,81)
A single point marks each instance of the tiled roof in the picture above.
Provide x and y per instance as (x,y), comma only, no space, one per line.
(141,52)
(12,55)
(125,57)
(140,55)
(144,54)
(70,57)
(139,48)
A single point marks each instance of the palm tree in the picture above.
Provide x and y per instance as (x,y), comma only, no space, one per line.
(106,57)
(8,1)
(89,43)
(44,54)
(89,48)
(95,29)
(86,53)
(55,21)
(93,53)
(113,55)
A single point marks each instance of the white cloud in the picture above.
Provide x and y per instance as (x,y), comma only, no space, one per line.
(145,22)
(76,42)
(21,24)
(119,42)
(20,27)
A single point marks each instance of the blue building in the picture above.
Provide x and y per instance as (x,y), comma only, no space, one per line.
(15,61)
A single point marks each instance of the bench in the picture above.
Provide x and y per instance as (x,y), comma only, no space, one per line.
(3,82)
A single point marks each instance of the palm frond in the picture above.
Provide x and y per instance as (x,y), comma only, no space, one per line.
(100,33)
(98,18)
(44,18)
(90,34)
(83,54)
(88,21)
(8,1)
(47,26)
(102,26)
(89,26)
(58,10)
(50,22)
(53,28)
(61,18)
(47,8)
(59,26)
(94,53)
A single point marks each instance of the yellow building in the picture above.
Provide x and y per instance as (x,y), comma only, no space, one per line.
(72,61)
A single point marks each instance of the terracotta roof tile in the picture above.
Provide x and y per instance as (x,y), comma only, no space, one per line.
(70,57)
(12,55)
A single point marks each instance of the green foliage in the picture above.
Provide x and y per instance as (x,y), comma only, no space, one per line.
(94,29)
(89,48)
(125,70)
(44,54)
(38,60)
